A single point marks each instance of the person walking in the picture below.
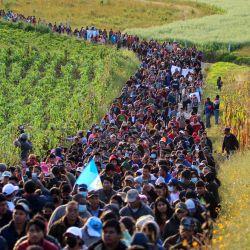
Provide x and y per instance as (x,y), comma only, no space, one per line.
(219,83)
(208,111)
(216,107)
(230,142)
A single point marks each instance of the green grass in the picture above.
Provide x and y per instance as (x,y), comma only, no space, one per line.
(215,31)
(115,14)
(231,230)
(54,85)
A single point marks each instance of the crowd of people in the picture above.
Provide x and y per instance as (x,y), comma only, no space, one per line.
(90,34)
(154,158)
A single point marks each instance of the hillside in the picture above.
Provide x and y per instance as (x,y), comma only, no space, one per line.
(231,26)
(115,14)
(54,85)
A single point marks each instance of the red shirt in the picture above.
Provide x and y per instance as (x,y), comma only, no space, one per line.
(45,244)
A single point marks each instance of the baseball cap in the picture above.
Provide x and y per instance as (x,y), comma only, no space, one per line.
(129,178)
(83,187)
(8,189)
(163,139)
(181,206)
(190,205)
(79,169)
(94,226)
(6,174)
(76,231)
(23,206)
(187,223)
(132,195)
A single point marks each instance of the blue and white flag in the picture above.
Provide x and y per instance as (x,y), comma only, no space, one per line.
(90,177)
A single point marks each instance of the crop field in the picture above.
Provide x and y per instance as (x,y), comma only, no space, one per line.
(231,26)
(54,85)
(115,14)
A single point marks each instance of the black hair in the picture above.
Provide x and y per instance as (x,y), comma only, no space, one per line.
(169,211)
(30,187)
(129,223)
(106,178)
(147,166)
(113,224)
(199,184)
(38,223)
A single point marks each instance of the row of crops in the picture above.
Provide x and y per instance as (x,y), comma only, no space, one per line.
(235,94)
(54,86)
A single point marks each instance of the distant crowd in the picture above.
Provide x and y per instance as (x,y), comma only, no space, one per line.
(153,154)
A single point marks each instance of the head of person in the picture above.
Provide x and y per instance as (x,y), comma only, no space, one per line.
(133,199)
(139,241)
(162,206)
(129,224)
(9,191)
(21,213)
(110,169)
(93,200)
(146,171)
(227,131)
(129,181)
(94,227)
(3,205)
(152,231)
(30,187)
(48,209)
(186,176)
(36,231)
(111,233)
(173,185)
(161,190)
(181,210)
(56,196)
(200,187)
(73,237)
(136,157)
(107,183)
(163,170)
(116,199)
(5,177)
(187,227)
(72,212)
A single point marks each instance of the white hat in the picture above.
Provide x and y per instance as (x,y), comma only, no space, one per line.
(79,169)
(9,189)
(75,231)
(6,174)
(190,205)
(94,226)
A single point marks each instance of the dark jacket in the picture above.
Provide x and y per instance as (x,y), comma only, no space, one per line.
(10,234)
(104,196)
(211,203)
(59,228)
(35,201)
(230,143)
(176,242)
(143,210)
(171,227)
(6,218)
(100,246)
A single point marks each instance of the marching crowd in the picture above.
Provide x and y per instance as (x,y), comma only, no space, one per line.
(154,157)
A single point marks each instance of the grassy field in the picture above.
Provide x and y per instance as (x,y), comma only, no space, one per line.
(231,27)
(232,231)
(115,14)
(235,100)
(54,85)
